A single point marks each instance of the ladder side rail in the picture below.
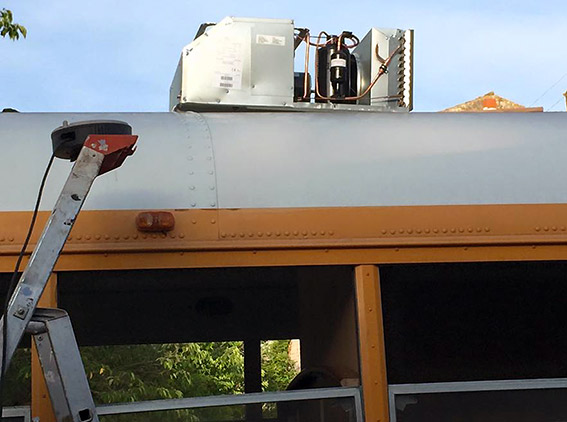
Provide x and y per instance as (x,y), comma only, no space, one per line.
(49,247)
(61,363)
(99,154)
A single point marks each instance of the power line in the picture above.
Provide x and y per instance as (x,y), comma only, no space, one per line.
(554,104)
(548,89)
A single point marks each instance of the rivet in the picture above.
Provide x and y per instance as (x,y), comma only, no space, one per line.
(314,233)
(135,236)
(326,250)
(397,249)
(181,253)
(465,248)
(562,228)
(533,246)
(418,231)
(69,238)
(213,221)
(304,233)
(190,158)
(286,233)
(163,235)
(210,172)
(79,237)
(470,230)
(181,235)
(106,236)
(554,228)
(223,234)
(209,158)
(546,229)
(242,234)
(410,231)
(193,204)
(191,173)
(322,232)
(369,309)
(213,204)
(384,231)
(487,229)
(392,231)
(126,237)
(192,187)
(401,231)
(154,236)
(145,236)
(295,232)
(436,230)
(233,235)
(443,230)
(88,237)
(211,187)
(250,234)
(427,230)
(117,236)
(106,254)
(260,234)
(278,233)
(172,235)
(193,221)
(268,234)
(97,236)
(331,232)
(254,252)
(461,230)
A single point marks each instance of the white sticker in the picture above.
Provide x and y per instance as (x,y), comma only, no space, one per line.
(270,40)
(338,63)
(228,71)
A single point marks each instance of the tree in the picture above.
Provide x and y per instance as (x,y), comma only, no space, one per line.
(164,371)
(9,27)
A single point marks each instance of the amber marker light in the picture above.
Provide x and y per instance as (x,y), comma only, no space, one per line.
(155,221)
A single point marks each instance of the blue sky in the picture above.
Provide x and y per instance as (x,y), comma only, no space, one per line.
(120,55)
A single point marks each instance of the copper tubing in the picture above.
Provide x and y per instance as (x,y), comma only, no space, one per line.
(307,38)
(340,44)
(329,38)
(306,89)
(382,70)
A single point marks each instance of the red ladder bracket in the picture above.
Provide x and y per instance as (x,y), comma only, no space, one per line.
(115,148)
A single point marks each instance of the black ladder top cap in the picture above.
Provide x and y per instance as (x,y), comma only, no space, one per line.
(68,139)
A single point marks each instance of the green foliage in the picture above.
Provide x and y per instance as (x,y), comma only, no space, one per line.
(10,28)
(164,371)
(144,372)
(204,369)
(277,368)
(16,390)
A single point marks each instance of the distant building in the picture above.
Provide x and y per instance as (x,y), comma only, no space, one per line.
(491,103)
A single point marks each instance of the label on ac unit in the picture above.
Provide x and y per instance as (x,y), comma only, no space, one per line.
(338,63)
(270,40)
(228,68)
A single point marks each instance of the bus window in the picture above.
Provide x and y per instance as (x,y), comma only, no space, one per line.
(474,321)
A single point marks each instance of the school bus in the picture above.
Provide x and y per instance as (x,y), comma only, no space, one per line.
(419,258)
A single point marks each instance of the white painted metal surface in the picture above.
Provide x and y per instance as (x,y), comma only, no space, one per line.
(319,159)
(239,61)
